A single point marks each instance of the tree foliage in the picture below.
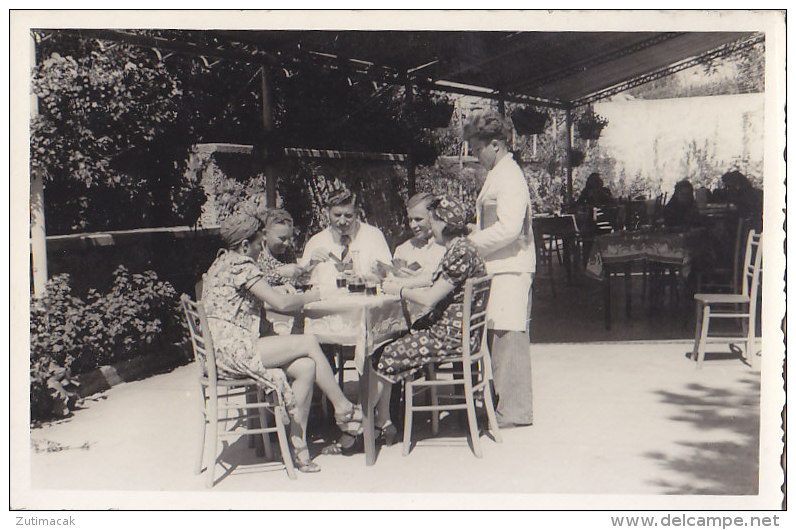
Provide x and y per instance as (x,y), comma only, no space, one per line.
(117,121)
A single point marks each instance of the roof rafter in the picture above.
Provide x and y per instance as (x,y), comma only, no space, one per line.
(721,51)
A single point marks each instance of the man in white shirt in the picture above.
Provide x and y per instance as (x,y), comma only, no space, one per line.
(505,241)
(420,249)
(347,237)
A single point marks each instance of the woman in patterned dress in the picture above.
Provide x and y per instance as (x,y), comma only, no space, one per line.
(233,294)
(438,333)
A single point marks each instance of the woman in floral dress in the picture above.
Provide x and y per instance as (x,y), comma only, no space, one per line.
(233,293)
(438,334)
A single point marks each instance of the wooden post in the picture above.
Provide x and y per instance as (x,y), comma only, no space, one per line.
(411,184)
(569,154)
(268,127)
(38,232)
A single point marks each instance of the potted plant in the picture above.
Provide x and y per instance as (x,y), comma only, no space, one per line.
(590,125)
(528,120)
(576,157)
(432,111)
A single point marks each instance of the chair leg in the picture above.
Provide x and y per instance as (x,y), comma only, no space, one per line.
(697,330)
(212,412)
(200,460)
(250,421)
(408,390)
(704,335)
(749,346)
(644,273)
(269,452)
(433,392)
(555,241)
(338,359)
(472,420)
(281,434)
(490,413)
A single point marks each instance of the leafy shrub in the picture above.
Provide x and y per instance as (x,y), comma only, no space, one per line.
(138,315)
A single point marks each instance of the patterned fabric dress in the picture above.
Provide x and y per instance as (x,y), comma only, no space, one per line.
(234,319)
(438,334)
(270,266)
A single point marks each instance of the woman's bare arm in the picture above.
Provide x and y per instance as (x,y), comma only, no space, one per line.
(425,296)
(282,302)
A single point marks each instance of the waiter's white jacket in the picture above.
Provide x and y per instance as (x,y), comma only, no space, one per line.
(503,210)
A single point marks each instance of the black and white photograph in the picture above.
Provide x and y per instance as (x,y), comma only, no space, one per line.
(398,260)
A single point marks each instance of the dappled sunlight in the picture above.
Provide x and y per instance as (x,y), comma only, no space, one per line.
(722,457)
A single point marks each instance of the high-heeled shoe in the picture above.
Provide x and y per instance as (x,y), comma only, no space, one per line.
(304,463)
(387,434)
(350,422)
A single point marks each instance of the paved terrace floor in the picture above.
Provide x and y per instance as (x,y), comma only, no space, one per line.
(610,419)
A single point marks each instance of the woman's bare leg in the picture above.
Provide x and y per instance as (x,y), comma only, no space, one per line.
(381,400)
(302,373)
(281,350)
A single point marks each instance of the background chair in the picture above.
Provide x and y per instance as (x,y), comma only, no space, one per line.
(544,258)
(469,370)
(741,306)
(222,396)
(727,276)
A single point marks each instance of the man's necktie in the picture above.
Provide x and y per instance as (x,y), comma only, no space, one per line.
(345,240)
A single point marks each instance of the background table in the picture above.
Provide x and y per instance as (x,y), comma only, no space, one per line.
(617,251)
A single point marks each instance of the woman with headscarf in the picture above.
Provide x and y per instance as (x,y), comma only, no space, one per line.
(233,293)
(438,333)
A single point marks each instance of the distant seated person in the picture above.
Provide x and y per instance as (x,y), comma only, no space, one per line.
(347,239)
(595,196)
(595,193)
(418,257)
(681,210)
(747,199)
(276,258)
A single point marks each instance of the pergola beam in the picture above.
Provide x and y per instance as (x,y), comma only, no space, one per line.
(161,43)
(445,86)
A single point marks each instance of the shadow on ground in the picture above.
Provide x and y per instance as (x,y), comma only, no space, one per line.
(729,464)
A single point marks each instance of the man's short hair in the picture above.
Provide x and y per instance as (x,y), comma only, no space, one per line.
(423,198)
(340,197)
(487,126)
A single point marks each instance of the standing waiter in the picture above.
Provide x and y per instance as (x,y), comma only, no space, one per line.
(505,241)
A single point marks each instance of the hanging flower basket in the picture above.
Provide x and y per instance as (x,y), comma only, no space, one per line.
(590,125)
(576,157)
(528,120)
(432,112)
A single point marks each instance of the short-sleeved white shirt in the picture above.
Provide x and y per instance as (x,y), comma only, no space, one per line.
(427,256)
(368,244)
